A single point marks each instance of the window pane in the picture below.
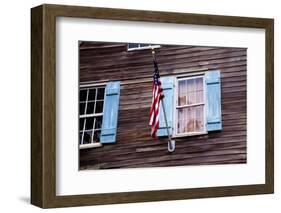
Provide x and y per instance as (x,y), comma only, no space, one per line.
(199,122)
(190,119)
(199,90)
(191,98)
(83,95)
(190,85)
(90,107)
(191,88)
(199,84)
(99,107)
(144,45)
(199,97)
(82,108)
(133,45)
(181,121)
(92,94)
(81,123)
(97,136)
(89,123)
(185,120)
(80,138)
(87,137)
(100,94)
(98,122)
(182,93)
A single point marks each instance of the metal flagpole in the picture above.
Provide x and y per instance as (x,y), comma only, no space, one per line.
(171,143)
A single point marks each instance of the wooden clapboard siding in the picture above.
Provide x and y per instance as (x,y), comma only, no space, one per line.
(101,62)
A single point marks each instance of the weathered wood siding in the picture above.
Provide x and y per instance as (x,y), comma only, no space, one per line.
(134,146)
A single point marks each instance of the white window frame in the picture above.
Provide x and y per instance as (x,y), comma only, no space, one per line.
(153,46)
(88,87)
(175,120)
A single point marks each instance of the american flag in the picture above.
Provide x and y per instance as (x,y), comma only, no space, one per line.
(157,95)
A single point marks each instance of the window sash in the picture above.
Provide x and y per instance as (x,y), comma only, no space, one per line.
(195,91)
(191,120)
(87,130)
(93,130)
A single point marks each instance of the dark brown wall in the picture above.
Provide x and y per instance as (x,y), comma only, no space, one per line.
(134,146)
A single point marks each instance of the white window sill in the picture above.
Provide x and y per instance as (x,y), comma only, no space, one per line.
(189,134)
(90,145)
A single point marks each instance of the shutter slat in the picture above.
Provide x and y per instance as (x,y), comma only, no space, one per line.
(213,101)
(110,112)
(168,89)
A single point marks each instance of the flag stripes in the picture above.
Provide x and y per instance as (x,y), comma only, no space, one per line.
(157,95)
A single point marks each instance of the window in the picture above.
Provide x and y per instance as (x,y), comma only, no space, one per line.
(136,46)
(98,114)
(190,105)
(91,101)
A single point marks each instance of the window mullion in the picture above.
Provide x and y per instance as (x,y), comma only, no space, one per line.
(95,100)
(93,132)
(194,114)
(86,103)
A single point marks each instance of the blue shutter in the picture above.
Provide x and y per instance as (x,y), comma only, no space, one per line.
(168,88)
(213,101)
(110,112)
